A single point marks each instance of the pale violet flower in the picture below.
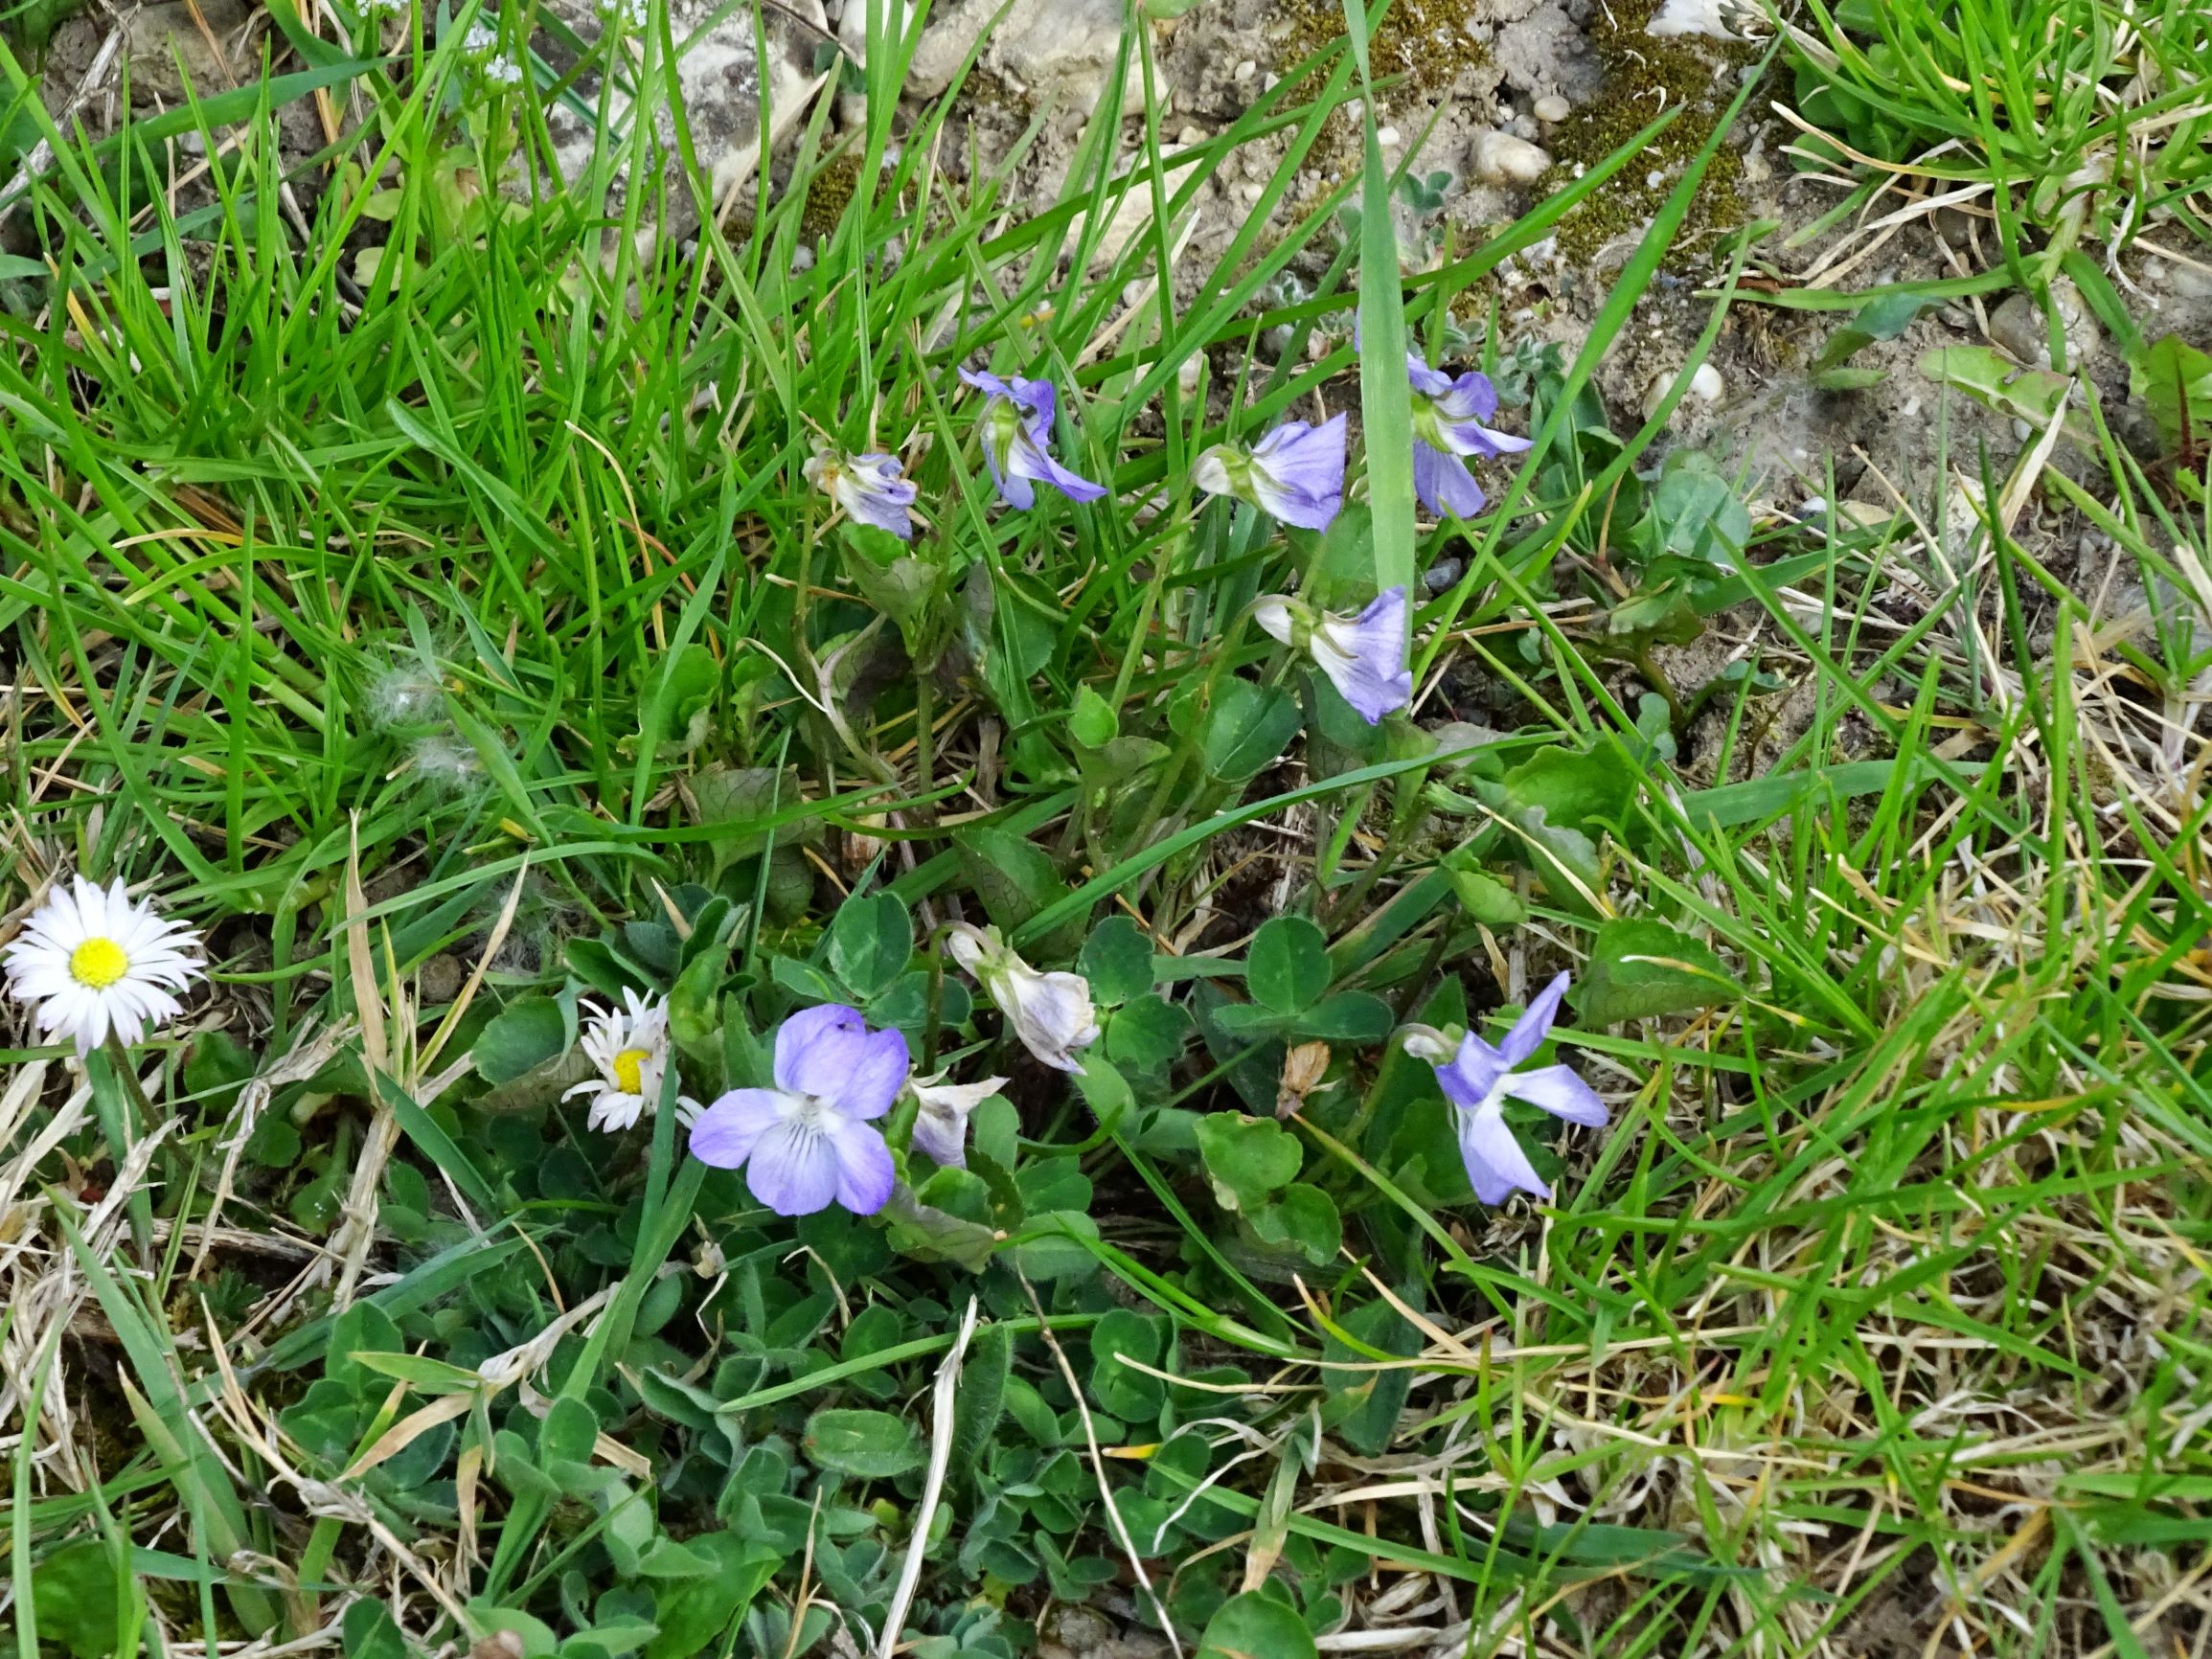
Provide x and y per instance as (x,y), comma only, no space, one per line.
(1050,1012)
(1295,473)
(629,1048)
(92,961)
(1017,428)
(504,71)
(941,1125)
(1479,1080)
(1448,424)
(481,41)
(867,486)
(812,1139)
(1363,655)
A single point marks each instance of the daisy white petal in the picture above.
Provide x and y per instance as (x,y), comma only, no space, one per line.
(92,960)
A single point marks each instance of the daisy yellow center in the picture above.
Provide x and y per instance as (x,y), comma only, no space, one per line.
(630,1070)
(97,963)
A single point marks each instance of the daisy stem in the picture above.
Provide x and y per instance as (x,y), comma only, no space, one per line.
(124,1109)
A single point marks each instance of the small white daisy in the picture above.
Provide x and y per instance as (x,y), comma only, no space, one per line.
(631,1048)
(93,961)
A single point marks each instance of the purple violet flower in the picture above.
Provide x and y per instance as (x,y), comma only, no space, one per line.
(1480,1080)
(1363,655)
(1448,423)
(810,1138)
(1016,427)
(1295,473)
(867,486)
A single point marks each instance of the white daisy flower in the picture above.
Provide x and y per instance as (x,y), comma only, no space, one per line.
(631,1048)
(93,961)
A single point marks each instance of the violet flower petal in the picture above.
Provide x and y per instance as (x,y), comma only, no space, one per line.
(1497,1167)
(729,1131)
(795,1168)
(1529,1031)
(819,1048)
(1557,1090)
(1444,483)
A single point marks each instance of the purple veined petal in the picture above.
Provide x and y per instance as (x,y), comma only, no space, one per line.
(1444,483)
(865,1171)
(1027,459)
(988,384)
(1470,437)
(1473,1073)
(1471,396)
(1529,1031)
(1364,656)
(879,495)
(728,1130)
(1495,1163)
(818,1048)
(1039,403)
(1429,382)
(1557,1090)
(873,1081)
(795,1168)
(1298,472)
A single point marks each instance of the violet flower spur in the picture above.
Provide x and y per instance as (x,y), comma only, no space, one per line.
(1479,1080)
(869,487)
(1017,428)
(1448,423)
(1295,473)
(1363,655)
(811,1138)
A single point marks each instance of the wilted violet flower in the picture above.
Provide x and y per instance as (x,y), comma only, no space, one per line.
(1480,1080)
(1363,655)
(868,487)
(811,1138)
(1295,473)
(1051,1012)
(1016,427)
(1448,423)
(941,1126)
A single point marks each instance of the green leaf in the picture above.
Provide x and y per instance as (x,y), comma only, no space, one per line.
(680,709)
(1012,875)
(1052,1245)
(1698,512)
(1256,1626)
(1639,968)
(1349,1017)
(568,1430)
(76,1593)
(871,941)
(1486,899)
(1147,1035)
(692,1615)
(1249,1159)
(1117,959)
(1363,1400)
(1572,787)
(1093,722)
(1132,1395)
(865,1445)
(525,1034)
(1246,728)
(1304,1215)
(2174,379)
(981,1397)
(1288,969)
(366,1630)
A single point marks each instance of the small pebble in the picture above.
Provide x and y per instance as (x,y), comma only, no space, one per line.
(1553,108)
(1706,384)
(1500,158)
(1191,135)
(1251,190)
(1187,377)
(1245,71)
(1388,137)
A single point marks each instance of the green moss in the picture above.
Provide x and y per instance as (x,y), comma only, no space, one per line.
(828,191)
(1422,46)
(1644,76)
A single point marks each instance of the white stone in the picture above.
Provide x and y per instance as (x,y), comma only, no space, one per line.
(1245,71)
(1553,108)
(1188,373)
(1717,19)
(1059,51)
(1706,384)
(1131,215)
(720,82)
(2018,326)
(1388,137)
(1500,158)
